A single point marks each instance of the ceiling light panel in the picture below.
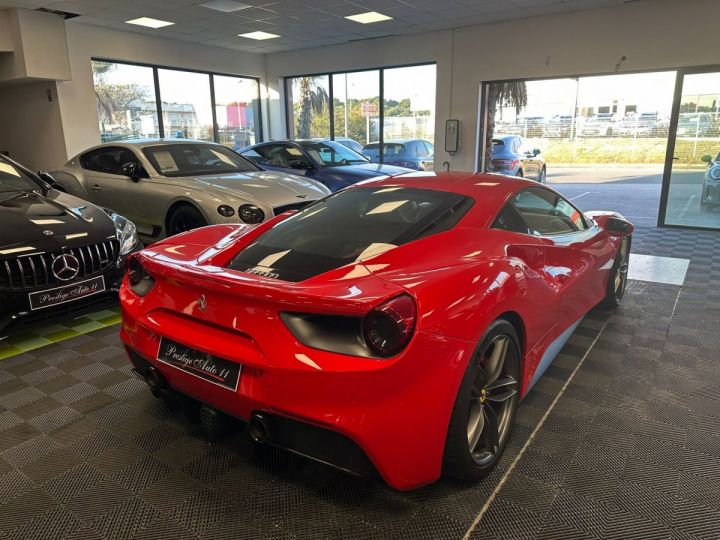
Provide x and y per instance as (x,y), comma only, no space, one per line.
(226,6)
(150,22)
(369,17)
(259,35)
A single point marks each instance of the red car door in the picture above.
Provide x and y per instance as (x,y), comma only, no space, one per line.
(579,253)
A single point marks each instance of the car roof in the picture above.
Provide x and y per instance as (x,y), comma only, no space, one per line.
(144,143)
(490,191)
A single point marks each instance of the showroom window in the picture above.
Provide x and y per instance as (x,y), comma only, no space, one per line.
(367,107)
(151,101)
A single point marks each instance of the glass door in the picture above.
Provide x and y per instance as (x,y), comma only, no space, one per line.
(691,195)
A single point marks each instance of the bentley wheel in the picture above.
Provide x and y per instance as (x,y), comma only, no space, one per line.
(617,281)
(485,406)
(185,219)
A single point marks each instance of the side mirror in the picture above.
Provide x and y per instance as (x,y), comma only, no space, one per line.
(47,177)
(536,152)
(618,227)
(132,171)
(707,158)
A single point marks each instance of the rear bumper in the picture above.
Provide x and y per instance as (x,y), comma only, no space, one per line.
(396,412)
(711,193)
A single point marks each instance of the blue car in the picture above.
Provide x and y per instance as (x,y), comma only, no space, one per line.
(512,156)
(329,162)
(414,154)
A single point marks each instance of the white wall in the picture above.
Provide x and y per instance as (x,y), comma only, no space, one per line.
(77,97)
(655,34)
(31,127)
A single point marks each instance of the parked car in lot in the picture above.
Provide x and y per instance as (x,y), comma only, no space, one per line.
(168,186)
(351,143)
(56,250)
(710,197)
(559,126)
(401,313)
(697,125)
(649,124)
(329,162)
(600,125)
(512,156)
(415,154)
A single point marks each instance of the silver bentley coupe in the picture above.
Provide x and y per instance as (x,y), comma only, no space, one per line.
(169,186)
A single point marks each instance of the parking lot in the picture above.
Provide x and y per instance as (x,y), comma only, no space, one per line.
(634,192)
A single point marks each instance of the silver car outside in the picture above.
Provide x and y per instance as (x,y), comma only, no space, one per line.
(152,200)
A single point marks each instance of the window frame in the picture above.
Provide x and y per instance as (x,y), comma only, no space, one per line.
(211,74)
(287,98)
(587,222)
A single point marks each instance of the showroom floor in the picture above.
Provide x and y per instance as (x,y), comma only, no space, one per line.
(620,439)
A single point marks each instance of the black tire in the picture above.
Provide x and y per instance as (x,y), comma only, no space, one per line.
(520,174)
(617,281)
(543,175)
(462,460)
(184,218)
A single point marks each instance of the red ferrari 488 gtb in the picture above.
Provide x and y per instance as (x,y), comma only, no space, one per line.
(390,327)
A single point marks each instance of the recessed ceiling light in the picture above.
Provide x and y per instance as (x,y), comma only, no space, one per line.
(226,6)
(259,35)
(150,22)
(369,17)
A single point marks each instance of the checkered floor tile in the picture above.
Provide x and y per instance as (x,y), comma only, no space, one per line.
(631,448)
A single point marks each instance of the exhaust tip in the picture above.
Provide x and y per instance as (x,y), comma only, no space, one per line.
(155,381)
(259,428)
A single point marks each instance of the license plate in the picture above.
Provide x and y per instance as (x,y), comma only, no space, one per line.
(66,293)
(199,364)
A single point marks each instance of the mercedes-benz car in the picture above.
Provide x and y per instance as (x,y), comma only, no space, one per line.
(56,251)
(168,186)
(393,326)
(329,162)
(710,196)
(511,155)
(415,154)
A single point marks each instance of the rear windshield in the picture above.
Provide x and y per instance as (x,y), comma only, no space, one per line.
(351,225)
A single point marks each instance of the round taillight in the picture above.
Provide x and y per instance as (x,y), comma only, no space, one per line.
(387,329)
(250,213)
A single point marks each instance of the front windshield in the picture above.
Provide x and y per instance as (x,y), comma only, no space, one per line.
(196,159)
(13,179)
(331,154)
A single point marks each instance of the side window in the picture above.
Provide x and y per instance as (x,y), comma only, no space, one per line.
(517,143)
(421,149)
(510,220)
(430,149)
(90,160)
(280,155)
(548,213)
(112,159)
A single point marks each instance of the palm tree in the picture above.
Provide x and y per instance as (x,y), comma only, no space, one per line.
(513,94)
(313,100)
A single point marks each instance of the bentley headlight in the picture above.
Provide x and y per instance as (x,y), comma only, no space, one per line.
(126,233)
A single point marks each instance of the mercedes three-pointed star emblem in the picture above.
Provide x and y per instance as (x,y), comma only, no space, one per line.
(65,267)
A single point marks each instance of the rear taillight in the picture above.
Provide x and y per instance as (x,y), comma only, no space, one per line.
(387,329)
(139,279)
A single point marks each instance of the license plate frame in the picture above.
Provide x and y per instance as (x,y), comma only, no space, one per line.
(207,367)
(97,282)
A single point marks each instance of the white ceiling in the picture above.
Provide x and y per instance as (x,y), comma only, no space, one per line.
(301,23)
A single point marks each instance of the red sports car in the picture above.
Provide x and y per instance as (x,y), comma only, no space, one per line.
(390,327)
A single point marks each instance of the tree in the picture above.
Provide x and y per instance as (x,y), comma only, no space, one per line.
(511,94)
(314,100)
(112,99)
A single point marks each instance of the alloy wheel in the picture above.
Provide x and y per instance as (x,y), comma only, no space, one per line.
(493,395)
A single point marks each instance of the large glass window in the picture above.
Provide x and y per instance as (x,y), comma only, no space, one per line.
(363,108)
(308,107)
(409,99)
(125,97)
(186,105)
(236,110)
(127,106)
(693,196)
(356,104)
